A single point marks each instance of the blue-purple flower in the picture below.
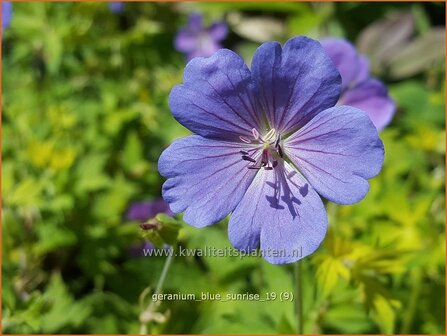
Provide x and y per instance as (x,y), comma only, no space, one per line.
(6,14)
(195,40)
(358,88)
(116,6)
(142,211)
(268,141)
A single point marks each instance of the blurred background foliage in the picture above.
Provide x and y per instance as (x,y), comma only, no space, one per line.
(85,117)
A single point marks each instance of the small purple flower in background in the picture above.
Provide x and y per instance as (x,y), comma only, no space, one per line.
(141,212)
(6,14)
(358,88)
(194,40)
(267,142)
(116,7)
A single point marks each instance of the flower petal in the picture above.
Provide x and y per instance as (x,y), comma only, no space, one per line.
(294,83)
(372,97)
(6,14)
(353,67)
(217,98)
(282,213)
(206,48)
(142,211)
(337,152)
(205,178)
(195,23)
(362,69)
(218,31)
(186,42)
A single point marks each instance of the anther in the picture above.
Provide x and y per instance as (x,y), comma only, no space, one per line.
(255,133)
(269,135)
(244,139)
(247,158)
(253,167)
(271,141)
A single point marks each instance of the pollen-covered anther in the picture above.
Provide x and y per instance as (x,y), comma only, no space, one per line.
(269,135)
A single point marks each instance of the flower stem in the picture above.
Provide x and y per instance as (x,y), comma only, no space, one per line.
(164,272)
(150,308)
(299,296)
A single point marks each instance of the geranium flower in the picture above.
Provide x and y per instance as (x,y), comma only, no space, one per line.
(6,14)
(267,142)
(358,88)
(142,211)
(196,40)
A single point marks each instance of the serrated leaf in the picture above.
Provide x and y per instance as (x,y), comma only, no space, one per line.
(328,273)
(63,309)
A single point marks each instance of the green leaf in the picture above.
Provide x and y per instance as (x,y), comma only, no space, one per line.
(53,48)
(52,237)
(132,156)
(384,314)
(63,310)
(347,317)
(328,273)
(90,173)
(25,193)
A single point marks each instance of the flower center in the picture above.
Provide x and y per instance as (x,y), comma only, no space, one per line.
(270,150)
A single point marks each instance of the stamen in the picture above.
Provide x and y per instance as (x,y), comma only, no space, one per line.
(247,158)
(278,148)
(255,133)
(244,139)
(266,160)
(269,135)
(278,139)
